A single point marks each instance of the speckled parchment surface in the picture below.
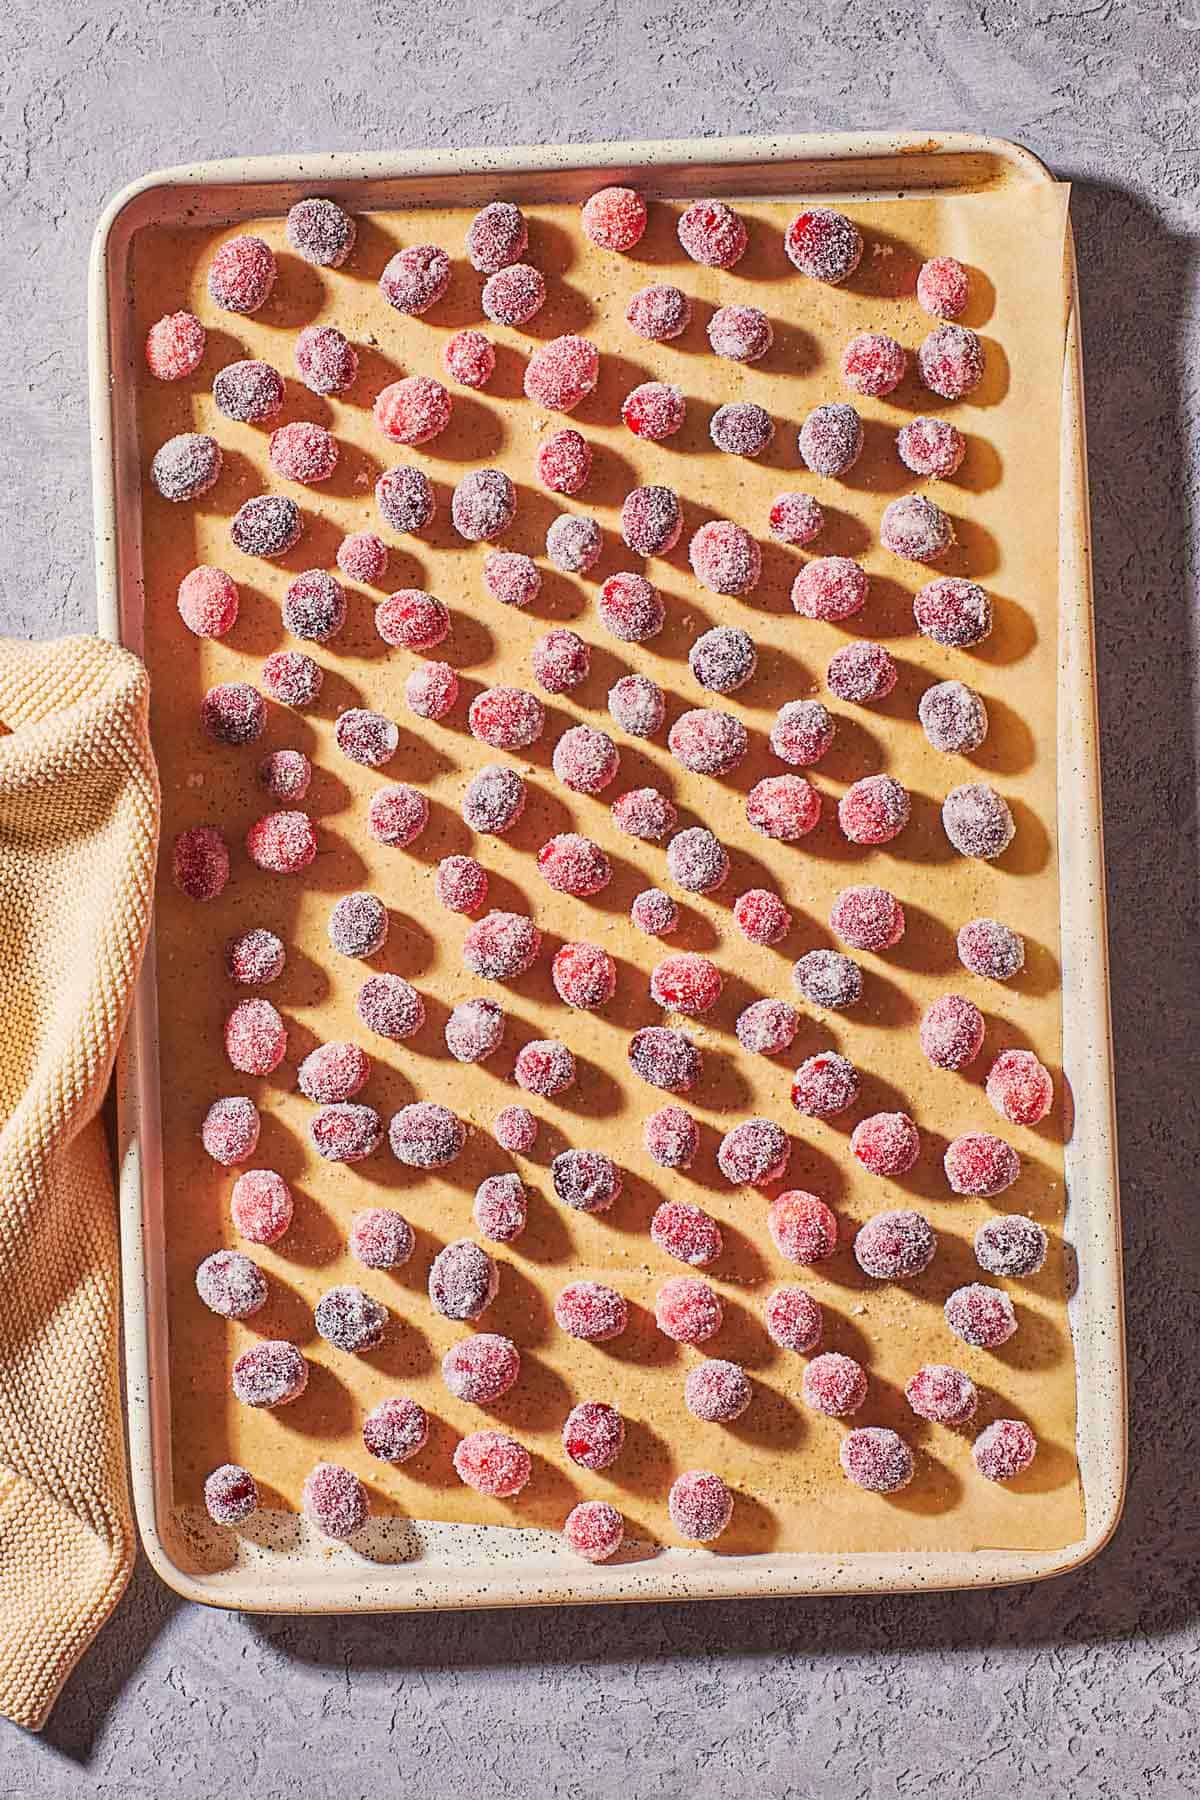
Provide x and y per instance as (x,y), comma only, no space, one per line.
(1085,1685)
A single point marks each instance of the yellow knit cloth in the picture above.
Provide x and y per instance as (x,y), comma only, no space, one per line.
(78,840)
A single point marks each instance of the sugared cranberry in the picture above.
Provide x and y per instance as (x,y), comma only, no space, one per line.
(951,361)
(826,978)
(785,807)
(515,1129)
(886,1143)
(496,237)
(638,705)
(861,672)
(687,1233)
(659,313)
(282,843)
(755,1152)
(951,1032)
(470,358)
(208,601)
(725,558)
(867,918)
(463,1281)
(741,333)
(397,815)
(492,1464)
(671,1138)
(255,1038)
(233,713)
(412,618)
(241,274)
(795,519)
(511,578)
(614,218)
(416,278)
(230,1130)
(292,678)
(560,661)
(591,1312)
(350,1319)
(474,1030)
(390,1006)
(712,234)
(585,1180)
(877,1459)
(700,1505)
(931,447)
(326,363)
(261,1206)
(651,520)
(942,287)
(741,428)
(874,810)
(643,813)
(501,945)
(834,1384)
(895,1246)
(425,1135)
(358,925)
(564,462)
(723,659)
(593,1435)
(321,232)
(594,1530)
(654,912)
(285,774)
(431,690)
(584,975)
(314,606)
(1004,1450)
(405,498)
(831,439)
(824,244)
(500,1209)
(761,916)
(830,588)
(688,1310)
(586,760)
(630,608)
(365,737)
(1011,1245)
(824,1086)
(248,391)
(495,799)
(981,1316)
(716,1391)
(395,1430)
(507,718)
(346,1133)
(561,373)
(767,1027)
(303,452)
(230,1494)
(483,505)
(708,742)
(381,1238)
(979,1164)
(697,861)
(272,1373)
(873,364)
(793,1319)
(942,1394)
(665,1059)
(953,717)
(544,1066)
(1020,1088)
(802,1227)
(514,295)
(655,410)
(574,543)
(986,947)
(186,466)
(916,528)
(231,1285)
(687,983)
(977,820)
(175,346)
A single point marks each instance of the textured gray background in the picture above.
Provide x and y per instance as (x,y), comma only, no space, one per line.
(1083,1686)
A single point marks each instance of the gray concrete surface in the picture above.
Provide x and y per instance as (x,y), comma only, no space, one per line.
(1086,1686)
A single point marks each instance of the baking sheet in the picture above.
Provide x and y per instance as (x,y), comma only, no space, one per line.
(781,1459)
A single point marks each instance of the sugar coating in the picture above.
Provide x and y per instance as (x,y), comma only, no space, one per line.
(515,1128)
(795,518)
(1004,1449)
(500,1208)
(396,1429)
(862,672)
(186,466)
(1020,1088)
(562,372)
(638,705)
(631,608)
(346,1133)
(830,440)
(230,1130)
(665,1059)
(590,1311)
(894,1246)
(784,807)
(463,1280)
(824,1085)
(425,1135)
(482,1368)
(501,945)
(495,799)
(507,718)
(358,925)
(988,947)
(867,918)
(671,1138)
(390,1006)
(381,1238)
(802,1227)
(325,362)
(712,234)
(314,606)
(700,1505)
(233,713)
(876,1458)
(707,741)
(741,428)
(886,1143)
(321,232)
(241,274)
(397,815)
(1011,1245)
(697,861)
(285,775)
(560,660)
(651,520)
(824,244)
(461,884)
(687,983)
(916,528)
(175,346)
(266,525)
(574,543)
(248,391)
(431,690)
(977,820)
(413,410)
(593,1435)
(761,916)
(261,1206)
(932,447)
(255,1037)
(585,759)
(474,1030)
(981,1316)
(654,410)
(470,358)
(723,659)
(208,601)
(303,452)
(687,1233)
(767,1027)
(793,1319)
(483,505)
(688,1310)
(644,813)
(405,498)
(282,843)
(951,361)
(979,1164)
(563,462)
(826,978)
(230,1494)
(874,810)
(873,364)
(833,1384)
(741,333)
(511,578)
(416,278)
(586,1180)
(659,312)
(231,1285)
(573,864)
(755,1152)
(492,1463)
(271,1373)
(292,678)
(830,588)
(614,218)
(943,288)
(953,717)
(716,1391)
(514,295)
(725,558)
(366,737)
(654,912)
(335,1501)
(942,1394)
(496,237)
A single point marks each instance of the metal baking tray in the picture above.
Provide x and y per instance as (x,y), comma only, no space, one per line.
(416,1565)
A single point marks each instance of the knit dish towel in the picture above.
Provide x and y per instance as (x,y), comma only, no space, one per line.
(79,810)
